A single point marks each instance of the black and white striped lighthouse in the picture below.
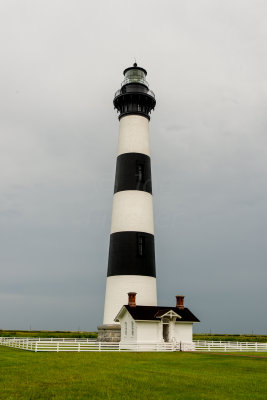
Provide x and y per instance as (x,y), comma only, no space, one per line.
(131,264)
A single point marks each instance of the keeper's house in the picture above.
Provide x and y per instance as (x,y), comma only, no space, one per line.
(154,324)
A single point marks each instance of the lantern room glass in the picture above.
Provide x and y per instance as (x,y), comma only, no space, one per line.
(135,75)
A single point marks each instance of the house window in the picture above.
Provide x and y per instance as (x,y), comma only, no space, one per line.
(132,328)
(125,328)
(140,244)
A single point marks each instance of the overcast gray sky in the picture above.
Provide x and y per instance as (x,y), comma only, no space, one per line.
(61,63)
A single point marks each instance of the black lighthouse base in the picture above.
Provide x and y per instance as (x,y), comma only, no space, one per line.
(109,333)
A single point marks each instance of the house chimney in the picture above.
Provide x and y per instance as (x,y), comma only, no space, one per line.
(131,299)
(180,302)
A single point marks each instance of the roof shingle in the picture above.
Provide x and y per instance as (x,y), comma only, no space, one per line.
(153,313)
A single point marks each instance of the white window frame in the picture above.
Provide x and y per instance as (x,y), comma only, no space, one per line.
(132,328)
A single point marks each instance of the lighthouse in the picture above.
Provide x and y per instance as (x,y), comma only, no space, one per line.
(131,261)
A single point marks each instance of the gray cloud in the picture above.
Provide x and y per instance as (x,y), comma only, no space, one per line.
(61,62)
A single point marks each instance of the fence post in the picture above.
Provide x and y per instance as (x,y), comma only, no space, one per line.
(35,347)
(256,346)
(57,347)
(79,346)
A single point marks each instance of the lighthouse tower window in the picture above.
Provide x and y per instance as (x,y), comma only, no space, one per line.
(140,173)
(140,245)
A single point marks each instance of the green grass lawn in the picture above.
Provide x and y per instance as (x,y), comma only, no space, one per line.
(231,338)
(48,334)
(116,376)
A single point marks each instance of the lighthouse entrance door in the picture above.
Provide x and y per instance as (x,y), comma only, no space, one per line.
(165,331)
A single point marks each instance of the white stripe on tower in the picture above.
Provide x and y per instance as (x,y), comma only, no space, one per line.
(134,135)
(132,211)
(131,254)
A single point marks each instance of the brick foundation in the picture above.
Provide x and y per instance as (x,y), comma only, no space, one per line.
(109,333)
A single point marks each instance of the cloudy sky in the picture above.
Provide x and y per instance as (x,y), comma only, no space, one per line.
(61,62)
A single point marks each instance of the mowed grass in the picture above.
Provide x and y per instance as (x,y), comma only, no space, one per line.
(90,376)
(231,338)
(49,334)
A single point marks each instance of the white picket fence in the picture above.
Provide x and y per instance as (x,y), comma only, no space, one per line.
(81,345)
(203,345)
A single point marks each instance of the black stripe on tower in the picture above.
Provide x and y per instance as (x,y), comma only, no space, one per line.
(133,172)
(131,253)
